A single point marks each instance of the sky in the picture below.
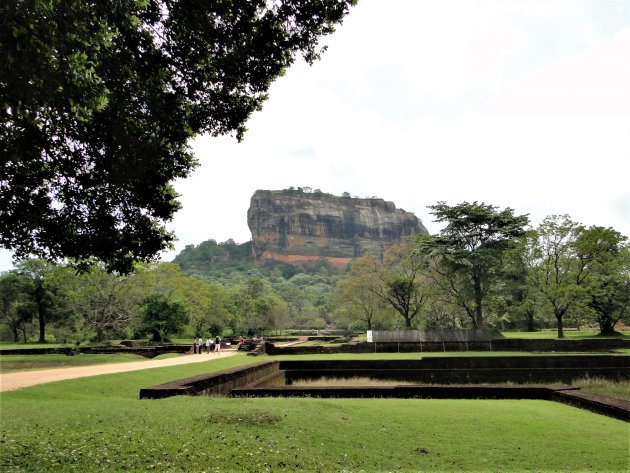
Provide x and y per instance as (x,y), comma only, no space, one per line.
(516,104)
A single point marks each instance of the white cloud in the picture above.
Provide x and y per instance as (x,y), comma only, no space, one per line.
(520,104)
(418,102)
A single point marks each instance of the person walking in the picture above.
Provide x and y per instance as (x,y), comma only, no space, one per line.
(200,345)
(195,346)
(217,344)
(208,343)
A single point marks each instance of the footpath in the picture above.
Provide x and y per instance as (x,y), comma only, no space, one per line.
(23,379)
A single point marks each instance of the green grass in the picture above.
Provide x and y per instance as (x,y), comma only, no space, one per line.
(99,424)
(568,334)
(620,389)
(17,346)
(13,363)
(318,343)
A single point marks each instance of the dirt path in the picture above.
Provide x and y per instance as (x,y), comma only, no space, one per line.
(23,379)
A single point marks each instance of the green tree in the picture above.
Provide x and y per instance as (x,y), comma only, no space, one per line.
(360,292)
(468,251)
(69,325)
(162,317)
(108,303)
(405,285)
(523,301)
(605,256)
(37,271)
(236,305)
(98,101)
(554,269)
(17,307)
(264,314)
(308,297)
(205,302)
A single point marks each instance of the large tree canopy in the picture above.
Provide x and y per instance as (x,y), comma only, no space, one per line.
(469,250)
(98,101)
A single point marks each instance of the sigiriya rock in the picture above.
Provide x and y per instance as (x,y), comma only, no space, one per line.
(299,228)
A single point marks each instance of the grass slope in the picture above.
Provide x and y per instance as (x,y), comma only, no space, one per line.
(99,424)
(13,363)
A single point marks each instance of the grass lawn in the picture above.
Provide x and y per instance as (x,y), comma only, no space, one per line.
(568,334)
(99,424)
(17,346)
(13,363)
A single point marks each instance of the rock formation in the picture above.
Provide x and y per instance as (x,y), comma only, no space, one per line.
(300,228)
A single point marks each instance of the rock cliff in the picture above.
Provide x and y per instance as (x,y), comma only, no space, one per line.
(299,228)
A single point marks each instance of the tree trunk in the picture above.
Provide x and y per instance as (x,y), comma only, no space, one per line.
(478,317)
(471,314)
(16,334)
(478,308)
(606,325)
(100,334)
(529,315)
(41,312)
(42,327)
(560,327)
(156,336)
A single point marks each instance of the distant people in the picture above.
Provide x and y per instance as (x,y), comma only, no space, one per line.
(194,345)
(241,340)
(200,345)
(217,344)
(208,343)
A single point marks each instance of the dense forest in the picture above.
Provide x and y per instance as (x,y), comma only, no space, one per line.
(487,267)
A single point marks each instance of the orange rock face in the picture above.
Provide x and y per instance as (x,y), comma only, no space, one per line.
(302,228)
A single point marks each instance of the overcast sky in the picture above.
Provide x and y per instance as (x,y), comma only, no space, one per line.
(516,104)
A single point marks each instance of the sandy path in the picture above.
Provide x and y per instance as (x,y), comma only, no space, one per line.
(23,379)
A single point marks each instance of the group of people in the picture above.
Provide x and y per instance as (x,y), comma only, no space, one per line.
(198,345)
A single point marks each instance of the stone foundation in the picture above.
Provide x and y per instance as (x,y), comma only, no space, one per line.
(448,378)
(503,344)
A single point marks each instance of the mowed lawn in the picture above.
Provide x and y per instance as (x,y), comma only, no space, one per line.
(568,334)
(13,363)
(99,424)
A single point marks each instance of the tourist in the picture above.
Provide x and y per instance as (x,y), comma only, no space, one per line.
(194,345)
(217,344)
(200,345)
(208,343)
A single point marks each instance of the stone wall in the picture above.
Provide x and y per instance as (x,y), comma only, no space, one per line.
(220,383)
(467,370)
(503,344)
(437,335)
(268,379)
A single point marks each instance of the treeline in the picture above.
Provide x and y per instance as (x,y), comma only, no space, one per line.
(488,267)
(43,302)
(212,260)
